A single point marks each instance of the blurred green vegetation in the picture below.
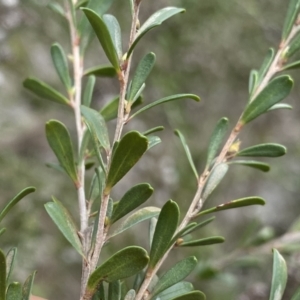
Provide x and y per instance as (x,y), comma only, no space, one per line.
(209,51)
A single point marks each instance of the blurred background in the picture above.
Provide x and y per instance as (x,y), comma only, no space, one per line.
(208,51)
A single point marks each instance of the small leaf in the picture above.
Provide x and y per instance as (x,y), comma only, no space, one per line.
(203,242)
(137,217)
(183,231)
(187,152)
(130,295)
(280,106)
(81,3)
(198,226)
(88,91)
(152,226)
(216,140)
(253,77)
(103,36)
(57,8)
(128,152)
(60,142)
(63,220)
(27,286)
(133,198)
(142,72)
(176,290)
(154,129)
(15,200)
(275,91)
(279,277)
(153,141)
(265,65)
(253,164)
(114,290)
(154,20)
(60,62)
(97,184)
(291,66)
(10,261)
(177,273)
(101,71)
(248,201)
(122,264)
(97,127)
(195,295)
(14,291)
(2,230)
(2,275)
(291,17)
(44,90)
(266,150)
(165,228)
(164,100)
(296,296)
(215,177)
(293,47)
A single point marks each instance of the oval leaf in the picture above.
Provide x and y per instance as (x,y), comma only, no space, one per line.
(176,290)
(60,142)
(266,150)
(2,275)
(127,153)
(27,286)
(10,261)
(203,242)
(14,291)
(44,90)
(253,164)
(291,17)
(101,71)
(275,91)
(133,198)
(63,220)
(165,228)
(196,295)
(88,91)
(279,277)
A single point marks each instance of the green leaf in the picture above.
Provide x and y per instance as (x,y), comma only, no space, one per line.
(291,66)
(187,152)
(164,100)
(183,231)
(253,77)
(154,129)
(265,65)
(291,17)
(97,127)
(133,198)
(279,277)
(176,290)
(2,275)
(130,295)
(152,226)
(197,226)
(2,230)
(101,71)
(81,3)
(266,150)
(27,286)
(128,152)
(296,296)
(10,262)
(203,242)
(114,290)
(88,91)
(100,293)
(142,72)
(293,47)
(103,36)
(275,91)
(63,220)
(137,217)
(216,140)
(253,164)
(177,273)
(14,291)
(97,184)
(153,21)
(280,106)
(248,201)
(60,62)
(110,110)
(57,8)
(43,90)
(15,200)
(165,228)
(115,33)
(60,142)
(195,295)
(122,264)
(131,7)
(215,177)
(153,141)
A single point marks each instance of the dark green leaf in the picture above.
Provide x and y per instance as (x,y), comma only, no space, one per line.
(176,290)
(164,100)
(177,273)
(57,8)
(2,275)
(104,36)
(216,140)
(154,129)
(10,262)
(265,65)
(60,142)
(275,91)
(153,21)
(248,201)
(15,200)
(203,242)
(101,71)
(187,152)
(88,91)
(279,277)
(142,72)
(97,127)
(63,220)
(296,296)
(215,177)
(133,198)
(266,150)
(280,106)
(130,295)
(165,228)
(183,231)
(137,217)
(291,66)
(60,62)
(129,150)
(114,290)
(100,293)
(14,291)
(195,295)
(291,17)
(122,264)
(253,77)
(110,110)
(153,141)
(27,286)
(253,164)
